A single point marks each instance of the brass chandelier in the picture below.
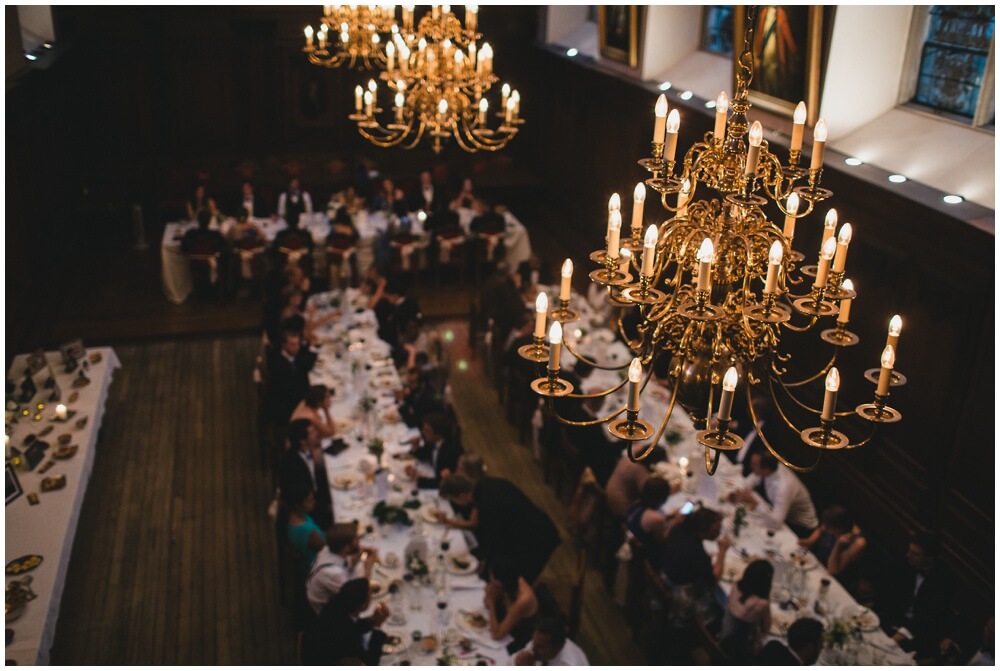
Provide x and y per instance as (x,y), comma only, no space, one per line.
(350,35)
(717,285)
(438,80)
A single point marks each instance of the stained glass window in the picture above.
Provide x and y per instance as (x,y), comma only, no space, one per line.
(717,30)
(954,57)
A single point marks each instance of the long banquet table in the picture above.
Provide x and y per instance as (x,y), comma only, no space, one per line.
(48,529)
(355,364)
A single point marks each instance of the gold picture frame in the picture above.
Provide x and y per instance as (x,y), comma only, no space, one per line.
(787,48)
(618,33)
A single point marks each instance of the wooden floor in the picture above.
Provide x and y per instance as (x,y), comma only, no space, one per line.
(174,556)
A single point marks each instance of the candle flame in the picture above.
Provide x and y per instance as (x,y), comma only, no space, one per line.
(722,103)
(614,202)
(542,302)
(845,234)
(776,254)
(639,195)
(792,204)
(833,380)
(635,371)
(799,117)
(888,357)
(651,238)
(895,325)
(706,253)
(661,106)
(829,249)
(831,219)
(756,134)
(730,380)
(848,285)
(555,333)
(819,133)
(567,268)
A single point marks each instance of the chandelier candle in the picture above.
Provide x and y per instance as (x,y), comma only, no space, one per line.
(624,258)
(638,201)
(504,95)
(470,17)
(706,255)
(555,346)
(721,110)
(516,97)
(683,197)
(819,142)
(390,56)
(673,125)
(728,389)
(829,248)
(509,110)
(829,225)
(484,107)
(774,263)
(753,153)
(614,202)
(60,411)
(309,36)
(843,240)
(567,279)
(845,305)
(400,106)
(614,233)
(634,378)
(798,124)
(895,327)
(830,399)
(541,310)
(369,103)
(649,250)
(660,124)
(885,375)
(792,207)
(358,97)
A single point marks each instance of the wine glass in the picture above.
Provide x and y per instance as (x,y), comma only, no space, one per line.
(442,605)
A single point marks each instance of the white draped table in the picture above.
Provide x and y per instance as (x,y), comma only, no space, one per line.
(47,529)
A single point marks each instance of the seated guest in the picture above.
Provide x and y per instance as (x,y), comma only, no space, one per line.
(748,615)
(466,198)
(437,448)
(304,535)
(839,545)
(913,600)
(302,464)
(629,476)
(348,200)
(288,369)
(200,202)
(418,398)
(805,642)
(685,561)
(294,244)
(338,635)
(394,312)
(247,201)
(786,499)
(427,196)
(646,521)
(487,220)
(294,202)
(511,604)
(503,519)
(245,233)
(316,408)
(203,240)
(385,197)
(550,646)
(336,563)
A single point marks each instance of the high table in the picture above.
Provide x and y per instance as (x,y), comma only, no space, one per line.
(47,529)
(354,363)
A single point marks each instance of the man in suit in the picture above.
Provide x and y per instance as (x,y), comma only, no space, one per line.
(805,642)
(302,464)
(338,635)
(915,599)
(419,399)
(394,312)
(288,369)
(427,196)
(255,208)
(786,499)
(437,448)
(294,202)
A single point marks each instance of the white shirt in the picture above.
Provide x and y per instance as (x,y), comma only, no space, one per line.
(570,655)
(307,459)
(428,193)
(329,573)
(248,203)
(790,500)
(306,199)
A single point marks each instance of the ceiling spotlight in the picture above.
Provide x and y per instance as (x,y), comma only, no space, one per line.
(665,86)
(572,52)
(710,104)
(853,161)
(687,95)
(897,179)
(953,199)
(31,57)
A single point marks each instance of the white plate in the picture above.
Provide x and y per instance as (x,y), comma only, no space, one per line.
(398,642)
(471,567)
(427,514)
(807,561)
(865,618)
(465,621)
(345,481)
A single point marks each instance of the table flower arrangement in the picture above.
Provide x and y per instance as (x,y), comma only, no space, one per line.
(387,514)
(840,639)
(376,448)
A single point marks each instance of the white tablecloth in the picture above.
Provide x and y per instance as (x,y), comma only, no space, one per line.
(47,529)
(353,362)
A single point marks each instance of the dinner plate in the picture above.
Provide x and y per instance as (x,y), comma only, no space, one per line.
(397,641)
(462,563)
(865,619)
(806,561)
(378,589)
(23,564)
(475,621)
(343,425)
(346,481)
(781,620)
(427,514)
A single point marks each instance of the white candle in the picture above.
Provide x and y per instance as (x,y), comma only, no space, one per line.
(504,94)
(753,153)
(829,225)
(773,263)
(830,399)
(508,114)
(895,328)
(638,200)
(634,378)
(516,97)
(673,125)
(721,110)
(649,250)
(683,197)
(390,56)
(400,105)
(843,240)
(885,375)
(823,268)
(819,142)
(541,309)
(624,258)
(358,93)
(660,122)
(369,103)
(567,279)
(614,202)
(845,304)
(728,390)
(792,207)
(798,124)
(60,411)
(614,233)
(484,107)
(470,17)
(706,255)
(459,62)
(309,36)
(555,345)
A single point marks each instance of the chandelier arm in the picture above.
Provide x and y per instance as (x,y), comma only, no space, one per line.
(569,348)
(590,422)
(767,443)
(822,372)
(867,440)
(600,394)
(801,329)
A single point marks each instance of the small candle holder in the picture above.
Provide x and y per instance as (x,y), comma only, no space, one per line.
(768,311)
(841,337)
(792,171)
(564,314)
(609,275)
(537,351)
(896,379)
(654,163)
(824,436)
(878,412)
(720,438)
(813,305)
(642,293)
(700,309)
(551,386)
(748,199)
(814,192)
(631,428)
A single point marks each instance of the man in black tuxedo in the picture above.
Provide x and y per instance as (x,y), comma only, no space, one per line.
(337,636)
(419,399)
(914,599)
(394,312)
(436,447)
(302,464)
(255,206)
(288,369)
(805,642)
(428,196)
(294,202)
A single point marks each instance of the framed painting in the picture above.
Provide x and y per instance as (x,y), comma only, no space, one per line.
(618,33)
(787,50)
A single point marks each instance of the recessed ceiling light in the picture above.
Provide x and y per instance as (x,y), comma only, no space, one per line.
(572,52)
(897,179)
(687,95)
(665,86)
(47,45)
(953,199)
(853,161)
(31,57)
(710,104)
